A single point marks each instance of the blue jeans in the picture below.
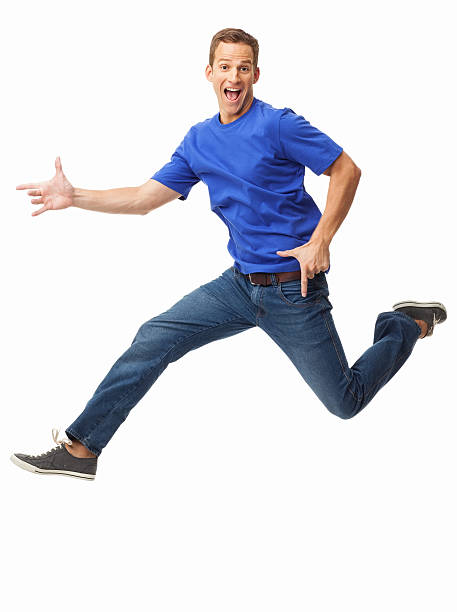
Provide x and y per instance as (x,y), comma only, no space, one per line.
(301,326)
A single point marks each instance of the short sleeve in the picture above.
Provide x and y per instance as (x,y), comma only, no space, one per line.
(305,144)
(177,174)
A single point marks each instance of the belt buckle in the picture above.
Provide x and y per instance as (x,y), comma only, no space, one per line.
(249,274)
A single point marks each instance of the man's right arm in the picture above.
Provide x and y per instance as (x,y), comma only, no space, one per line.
(125,200)
(59,193)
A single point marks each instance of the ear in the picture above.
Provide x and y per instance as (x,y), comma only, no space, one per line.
(256,74)
(209,73)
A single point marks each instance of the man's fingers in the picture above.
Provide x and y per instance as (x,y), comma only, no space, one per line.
(34,192)
(38,212)
(37,201)
(28,186)
(58,164)
(304,284)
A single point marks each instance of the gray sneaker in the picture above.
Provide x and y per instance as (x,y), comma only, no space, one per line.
(57,461)
(430,312)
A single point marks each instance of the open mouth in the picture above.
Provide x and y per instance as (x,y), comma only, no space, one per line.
(232,94)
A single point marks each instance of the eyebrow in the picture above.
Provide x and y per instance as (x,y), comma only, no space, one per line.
(246,61)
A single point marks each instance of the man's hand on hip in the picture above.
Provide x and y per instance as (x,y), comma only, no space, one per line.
(313,257)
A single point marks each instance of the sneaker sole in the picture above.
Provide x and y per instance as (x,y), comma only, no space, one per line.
(422,305)
(35,470)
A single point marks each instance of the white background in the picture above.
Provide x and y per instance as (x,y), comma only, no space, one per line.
(230,487)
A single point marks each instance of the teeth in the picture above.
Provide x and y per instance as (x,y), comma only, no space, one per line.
(230,89)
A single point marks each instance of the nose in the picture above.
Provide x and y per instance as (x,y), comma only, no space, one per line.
(234,75)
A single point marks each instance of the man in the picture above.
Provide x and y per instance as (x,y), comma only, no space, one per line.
(252,158)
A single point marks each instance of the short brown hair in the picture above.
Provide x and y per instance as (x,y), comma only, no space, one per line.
(235,36)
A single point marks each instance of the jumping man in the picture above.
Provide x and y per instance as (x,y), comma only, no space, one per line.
(252,157)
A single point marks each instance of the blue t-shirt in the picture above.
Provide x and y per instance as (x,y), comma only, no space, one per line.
(254,169)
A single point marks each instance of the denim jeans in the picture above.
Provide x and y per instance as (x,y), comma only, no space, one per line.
(301,326)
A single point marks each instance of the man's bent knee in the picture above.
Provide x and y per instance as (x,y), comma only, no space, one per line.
(343,410)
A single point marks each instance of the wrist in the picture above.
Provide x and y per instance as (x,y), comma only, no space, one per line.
(77,197)
(321,238)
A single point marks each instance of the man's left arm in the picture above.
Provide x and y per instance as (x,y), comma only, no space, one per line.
(314,256)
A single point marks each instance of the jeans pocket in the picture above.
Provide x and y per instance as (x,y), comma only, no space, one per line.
(290,291)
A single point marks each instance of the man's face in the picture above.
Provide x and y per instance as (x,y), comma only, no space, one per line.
(233,69)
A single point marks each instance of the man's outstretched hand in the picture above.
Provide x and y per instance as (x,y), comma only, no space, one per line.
(54,194)
(313,257)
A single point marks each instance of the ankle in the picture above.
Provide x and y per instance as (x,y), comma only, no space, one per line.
(79,450)
(424,327)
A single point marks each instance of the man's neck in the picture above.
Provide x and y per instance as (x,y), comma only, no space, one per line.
(231,118)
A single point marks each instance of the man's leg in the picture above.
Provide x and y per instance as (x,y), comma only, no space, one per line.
(304,329)
(200,317)
(211,312)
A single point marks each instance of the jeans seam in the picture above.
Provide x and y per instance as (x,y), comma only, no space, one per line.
(237,275)
(339,356)
(82,439)
(259,309)
(89,433)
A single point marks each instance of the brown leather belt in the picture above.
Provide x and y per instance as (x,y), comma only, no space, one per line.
(264,278)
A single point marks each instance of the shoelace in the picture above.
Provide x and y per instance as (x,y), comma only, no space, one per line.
(58,441)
